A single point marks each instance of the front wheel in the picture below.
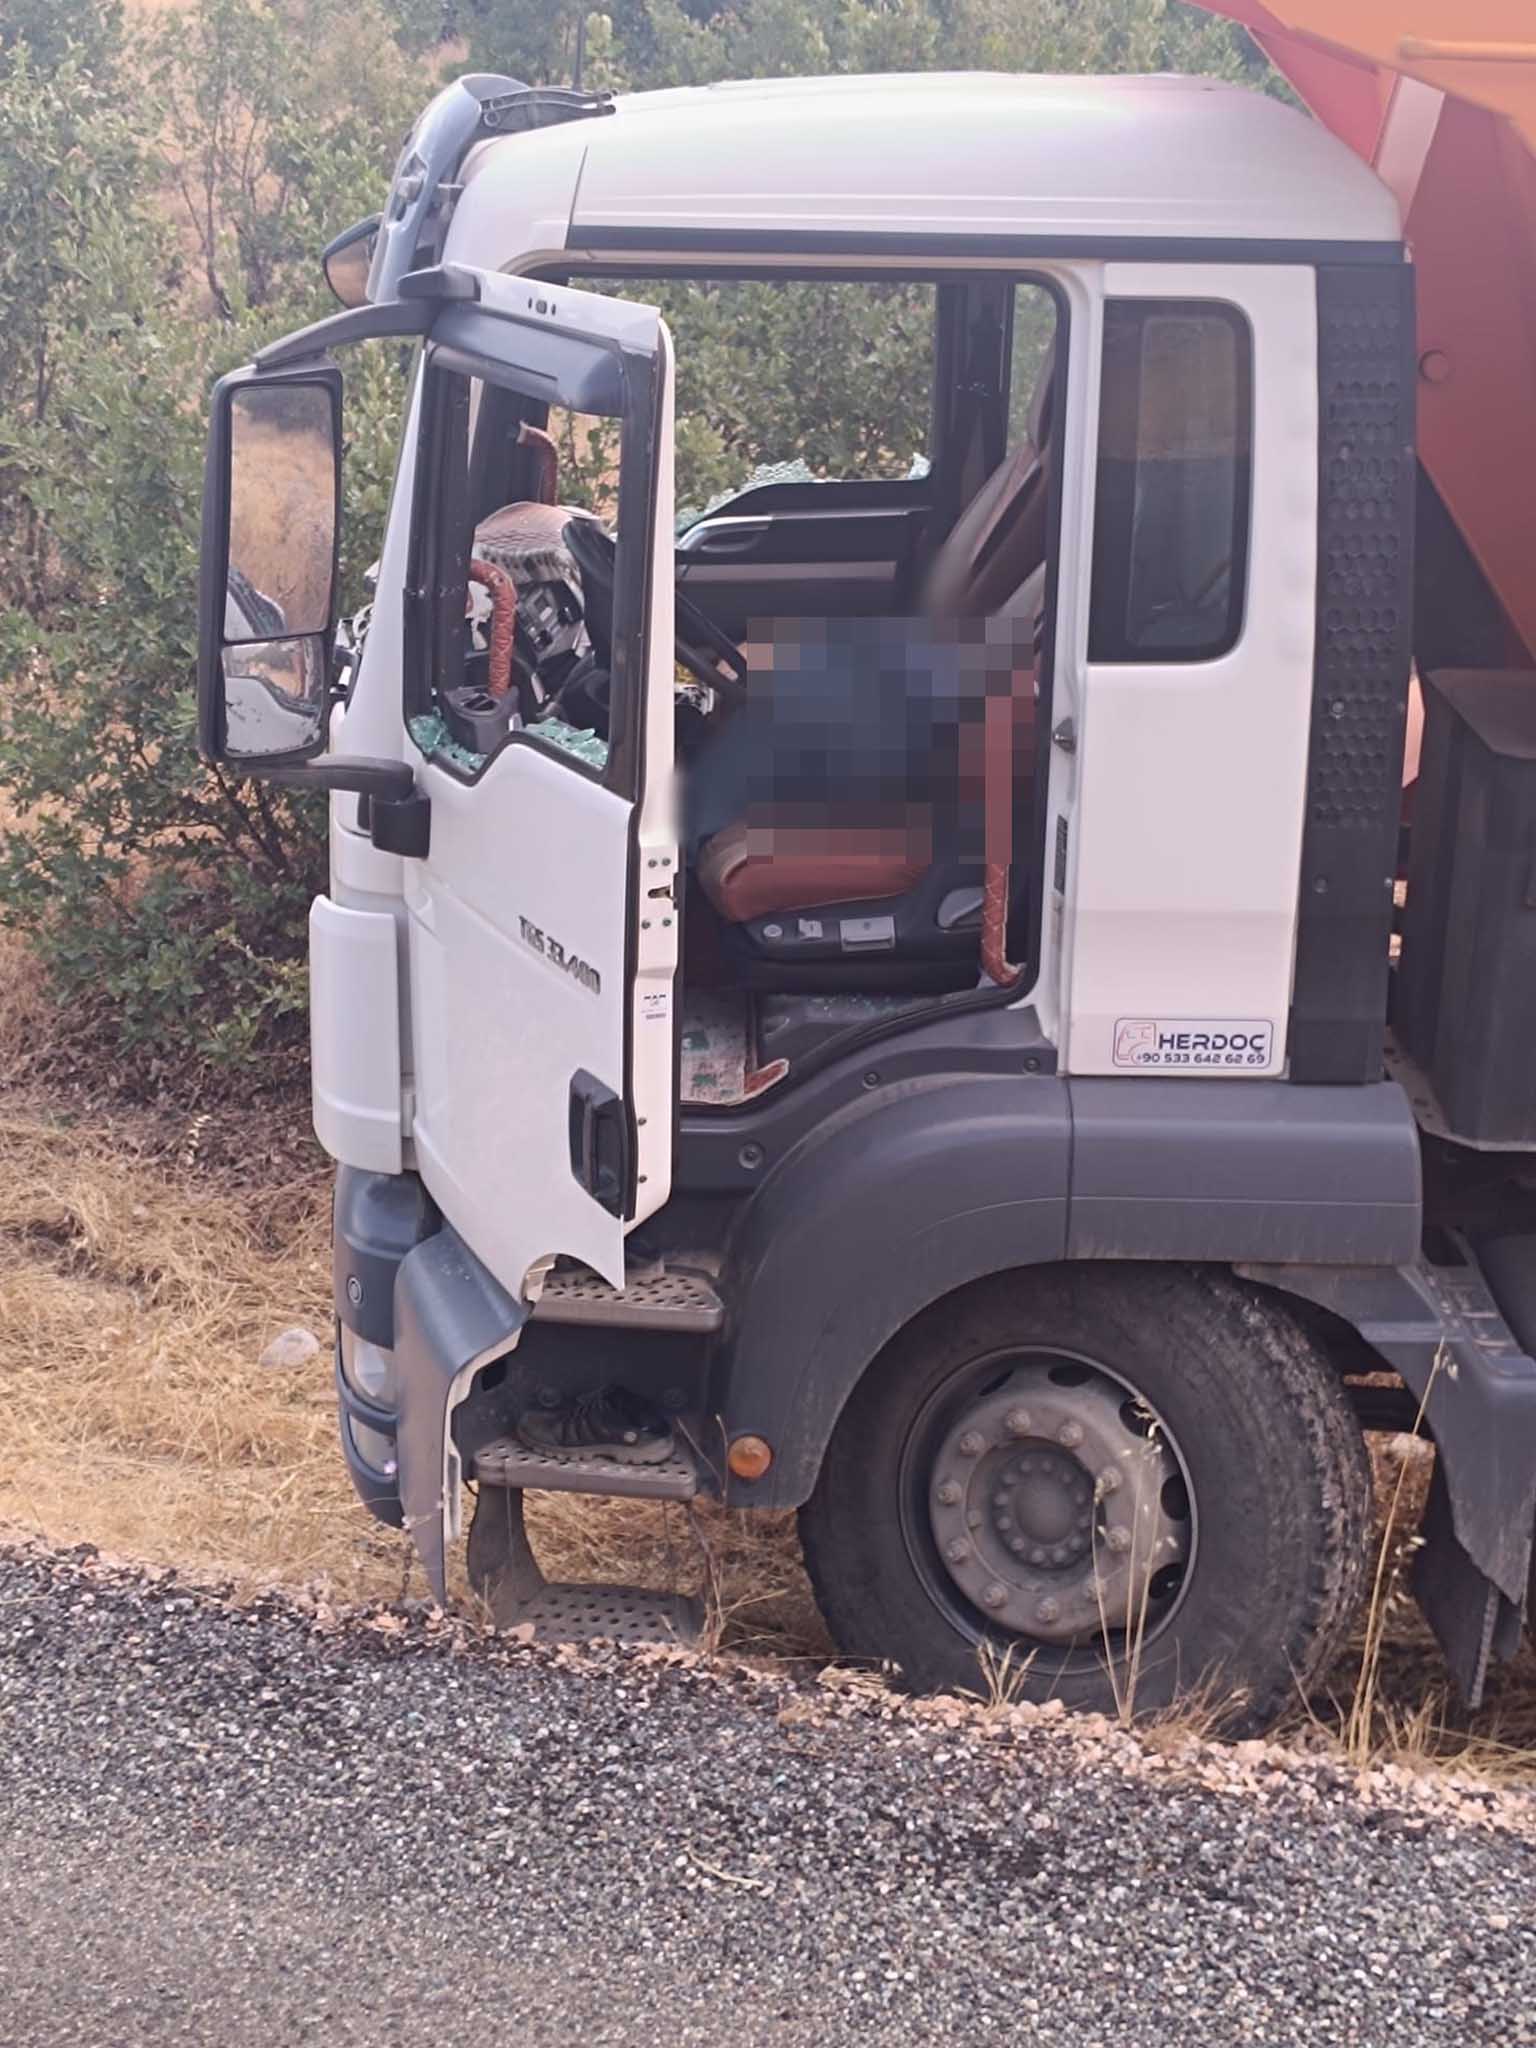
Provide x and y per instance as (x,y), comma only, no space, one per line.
(1119,1483)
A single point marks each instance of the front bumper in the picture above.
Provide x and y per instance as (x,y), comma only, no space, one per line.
(406,1282)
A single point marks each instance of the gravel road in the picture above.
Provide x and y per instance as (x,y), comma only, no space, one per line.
(256,1826)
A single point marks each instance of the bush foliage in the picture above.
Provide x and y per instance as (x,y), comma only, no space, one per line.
(149,240)
(166,184)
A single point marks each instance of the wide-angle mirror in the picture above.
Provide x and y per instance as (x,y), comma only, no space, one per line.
(273,493)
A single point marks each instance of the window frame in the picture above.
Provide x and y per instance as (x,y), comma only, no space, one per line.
(1115,648)
(442,540)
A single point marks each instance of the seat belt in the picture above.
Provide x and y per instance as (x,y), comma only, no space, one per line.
(997,842)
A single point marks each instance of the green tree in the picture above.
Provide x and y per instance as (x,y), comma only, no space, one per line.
(151,241)
(65,147)
(88,32)
(686,42)
(276,123)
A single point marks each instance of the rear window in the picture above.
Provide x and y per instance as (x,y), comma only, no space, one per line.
(1170,545)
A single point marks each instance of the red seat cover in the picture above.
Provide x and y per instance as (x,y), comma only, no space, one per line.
(750,870)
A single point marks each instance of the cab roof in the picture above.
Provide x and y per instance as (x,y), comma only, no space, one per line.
(932,155)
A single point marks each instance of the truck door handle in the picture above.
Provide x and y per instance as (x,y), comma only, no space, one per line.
(600,1146)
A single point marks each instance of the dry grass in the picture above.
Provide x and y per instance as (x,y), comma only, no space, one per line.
(141,1274)
(1388,1697)
(145,1263)
(137,1289)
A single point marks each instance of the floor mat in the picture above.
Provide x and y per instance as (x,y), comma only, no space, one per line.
(717,1051)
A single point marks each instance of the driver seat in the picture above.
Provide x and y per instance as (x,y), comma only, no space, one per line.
(818,906)
(750,871)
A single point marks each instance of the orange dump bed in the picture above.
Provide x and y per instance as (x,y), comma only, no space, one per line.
(1439,96)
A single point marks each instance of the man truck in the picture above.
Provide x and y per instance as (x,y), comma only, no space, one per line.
(921,990)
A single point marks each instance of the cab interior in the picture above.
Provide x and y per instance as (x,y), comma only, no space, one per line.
(863,654)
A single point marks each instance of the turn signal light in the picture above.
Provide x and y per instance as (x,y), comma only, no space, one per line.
(749,1457)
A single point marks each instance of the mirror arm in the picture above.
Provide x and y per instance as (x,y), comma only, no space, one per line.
(357,774)
(358,232)
(421,297)
(358,323)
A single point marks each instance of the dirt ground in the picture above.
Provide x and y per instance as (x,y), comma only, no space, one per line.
(148,1258)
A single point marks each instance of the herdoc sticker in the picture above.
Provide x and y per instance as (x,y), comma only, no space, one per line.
(1146,1043)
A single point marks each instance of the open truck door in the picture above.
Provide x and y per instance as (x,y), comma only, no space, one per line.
(542,916)
(530,1065)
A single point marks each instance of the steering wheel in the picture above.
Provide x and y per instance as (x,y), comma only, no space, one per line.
(708,654)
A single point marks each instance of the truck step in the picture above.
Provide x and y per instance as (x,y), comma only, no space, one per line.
(589,1614)
(506,1462)
(505,1574)
(674,1298)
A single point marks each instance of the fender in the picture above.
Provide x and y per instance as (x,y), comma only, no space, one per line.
(935,1179)
(892,1203)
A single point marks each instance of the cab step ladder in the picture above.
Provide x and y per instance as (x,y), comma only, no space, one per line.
(502,1567)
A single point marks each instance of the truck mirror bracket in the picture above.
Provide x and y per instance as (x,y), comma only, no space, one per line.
(390,809)
(358,323)
(360,774)
(400,825)
(421,292)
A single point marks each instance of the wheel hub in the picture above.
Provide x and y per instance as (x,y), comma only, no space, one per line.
(1058,1506)
(1042,1506)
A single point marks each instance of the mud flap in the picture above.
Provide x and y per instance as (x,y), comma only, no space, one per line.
(451,1317)
(1441,1330)
(1475,1624)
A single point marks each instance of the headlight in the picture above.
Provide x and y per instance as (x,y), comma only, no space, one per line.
(376,1450)
(368,1369)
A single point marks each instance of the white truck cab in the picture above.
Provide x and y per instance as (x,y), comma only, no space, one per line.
(889,965)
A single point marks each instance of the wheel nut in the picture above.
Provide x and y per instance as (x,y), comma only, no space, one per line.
(1037,1555)
(1016,1545)
(1108,1480)
(957,1550)
(1119,1540)
(949,1493)
(1070,1434)
(1016,1422)
(995,1596)
(1048,1610)
(1005,1521)
(973,1443)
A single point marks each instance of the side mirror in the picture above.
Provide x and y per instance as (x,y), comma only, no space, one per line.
(348,260)
(267,609)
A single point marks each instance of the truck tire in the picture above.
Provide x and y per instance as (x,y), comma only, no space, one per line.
(1131,1482)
